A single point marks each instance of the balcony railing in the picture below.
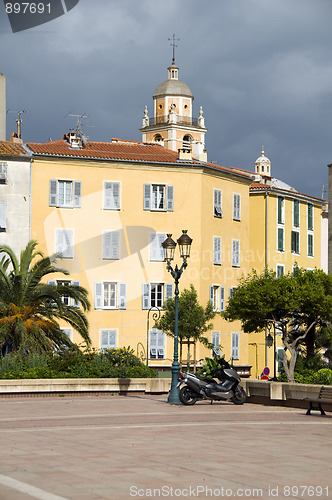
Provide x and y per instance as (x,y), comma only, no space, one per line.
(179,120)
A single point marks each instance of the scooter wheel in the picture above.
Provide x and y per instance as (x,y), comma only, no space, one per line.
(186,396)
(239,396)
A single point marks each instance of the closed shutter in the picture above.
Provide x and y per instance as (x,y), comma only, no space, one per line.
(296,213)
(115,196)
(98,295)
(77,194)
(64,242)
(217,211)
(111,245)
(146,296)
(122,296)
(235,346)
(216,250)
(236,206)
(280,210)
(108,339)
(310,245)
(280,239)
(170,198)
(216,339)
(153,344)
(147,197)
(236,253)
(160,345)
(53,193)
(156,249)
(310,216)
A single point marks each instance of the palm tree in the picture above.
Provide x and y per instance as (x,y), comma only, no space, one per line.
(30,307)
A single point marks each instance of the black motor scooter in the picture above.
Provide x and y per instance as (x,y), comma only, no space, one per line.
(194,387)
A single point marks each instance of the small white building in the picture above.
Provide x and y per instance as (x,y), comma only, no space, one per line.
(15,195)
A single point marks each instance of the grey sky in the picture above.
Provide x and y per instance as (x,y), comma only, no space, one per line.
(261,69)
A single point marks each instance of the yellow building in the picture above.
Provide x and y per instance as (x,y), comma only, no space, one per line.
(107,207)
(285,231)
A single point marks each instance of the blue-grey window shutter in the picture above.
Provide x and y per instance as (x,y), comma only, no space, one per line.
(170,198)
(122,295)
(98,295)
(147,197)
(212,295)
(77,194)
(146,296)
(169,291)
(222,298)
(76,303)
(53,192)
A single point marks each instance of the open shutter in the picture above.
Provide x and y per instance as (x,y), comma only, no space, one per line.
(3,215)
(146,296)
(217,211)
(169,291)
(147,197)
(212,295)
(98,295)
(75,303)
(170,198)
(122,296)
(77,194)
(53,193)
(222,298)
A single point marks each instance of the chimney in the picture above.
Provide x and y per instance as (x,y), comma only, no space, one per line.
(2,107)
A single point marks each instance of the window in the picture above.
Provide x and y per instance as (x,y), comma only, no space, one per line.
(235,253)
(296,213)
(154,294)
(310,245)
(295,242)
(215,339)
(3,210)
(158,197)
(111,245)
(68,332)
(236,207)
(107,339)
(235,345)
(65,194)
(111,195)
(281,239)
(281,210)
(217,250)
(156,344)
(3,172)
(217,211)
(186,142)
(217,297)
(280,271)
(310,216)
(68,301)
(156,250)
(110,295)
(64,243)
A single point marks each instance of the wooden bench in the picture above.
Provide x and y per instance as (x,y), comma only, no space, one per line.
(324,398)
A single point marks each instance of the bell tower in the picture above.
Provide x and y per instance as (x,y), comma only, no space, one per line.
(172,124)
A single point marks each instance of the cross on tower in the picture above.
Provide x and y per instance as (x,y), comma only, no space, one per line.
(173,40)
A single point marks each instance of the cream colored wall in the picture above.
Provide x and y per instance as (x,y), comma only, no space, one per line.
(193,210)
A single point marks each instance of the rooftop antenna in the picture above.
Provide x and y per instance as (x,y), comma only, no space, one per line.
(79,118)
(18,120)
(173,44)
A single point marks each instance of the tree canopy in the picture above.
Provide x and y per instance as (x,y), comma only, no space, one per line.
(194,319)
(30,308)
(299,304)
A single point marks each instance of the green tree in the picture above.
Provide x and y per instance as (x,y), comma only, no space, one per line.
(194,319)
(30,307)
(297,303)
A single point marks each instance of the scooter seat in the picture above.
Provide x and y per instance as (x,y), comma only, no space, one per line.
(205,379)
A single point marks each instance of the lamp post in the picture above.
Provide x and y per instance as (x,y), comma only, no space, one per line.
(169,245)
(155,316)
(272,341)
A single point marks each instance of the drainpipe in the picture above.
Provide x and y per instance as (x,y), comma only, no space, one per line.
(266,213)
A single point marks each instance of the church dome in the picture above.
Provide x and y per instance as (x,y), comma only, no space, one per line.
(263,159)
(172,87)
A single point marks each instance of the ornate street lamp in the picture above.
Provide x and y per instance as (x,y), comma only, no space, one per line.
(272,341)
(169,245)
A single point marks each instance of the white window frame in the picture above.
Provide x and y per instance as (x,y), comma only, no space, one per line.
(217,203)
(119,299)
(67,251)
(236,206)
(235,253)
(73,302)
(278,268)
(235,346)
(156,250)
(167,292)
(75,193)
(217,250)
(111,245)
(157,343)
(111,201)
(151,195)
(111,333)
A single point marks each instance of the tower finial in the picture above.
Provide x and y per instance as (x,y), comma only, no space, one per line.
(173,40)
(262,150)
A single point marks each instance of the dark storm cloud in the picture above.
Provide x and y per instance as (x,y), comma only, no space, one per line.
(261,69)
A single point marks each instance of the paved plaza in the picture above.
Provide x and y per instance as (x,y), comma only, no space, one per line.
(116,447)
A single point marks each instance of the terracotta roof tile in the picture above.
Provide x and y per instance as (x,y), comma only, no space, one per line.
(264,187)
(12,149)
